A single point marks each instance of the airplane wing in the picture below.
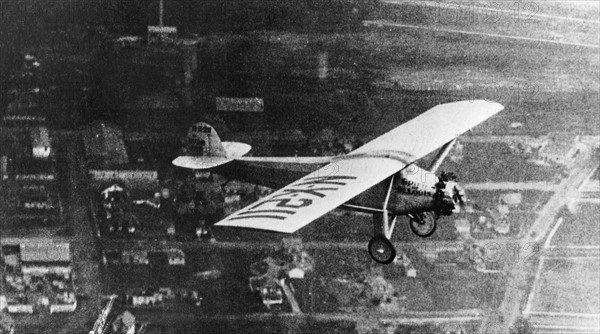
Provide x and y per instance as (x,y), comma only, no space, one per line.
(432,129)
(312,196)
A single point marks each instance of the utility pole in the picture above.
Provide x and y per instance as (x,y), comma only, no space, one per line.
(160,13)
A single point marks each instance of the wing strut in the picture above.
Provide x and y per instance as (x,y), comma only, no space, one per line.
(388,227)
(441,155)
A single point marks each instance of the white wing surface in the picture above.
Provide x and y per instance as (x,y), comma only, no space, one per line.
(432,129)
(312,196)
(200,162)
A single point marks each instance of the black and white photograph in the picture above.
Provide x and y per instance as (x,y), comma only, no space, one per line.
(299,166)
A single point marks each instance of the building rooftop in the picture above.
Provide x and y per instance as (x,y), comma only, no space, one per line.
(560,144)
(46,252)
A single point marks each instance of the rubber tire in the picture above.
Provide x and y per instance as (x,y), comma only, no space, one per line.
(387,243)
(411,223)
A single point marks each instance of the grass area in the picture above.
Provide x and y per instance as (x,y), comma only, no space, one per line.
(515,19)
(272,326)
(579,228)
(434,289)
(496,162)
(464,289)
(568,286)
(532,200)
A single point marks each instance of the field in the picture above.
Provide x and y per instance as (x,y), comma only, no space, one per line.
(567,286)
(498,164)
(532,200)
(579,228)
(433,290)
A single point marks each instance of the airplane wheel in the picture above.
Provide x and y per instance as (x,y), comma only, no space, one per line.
(382,250)
(423,224)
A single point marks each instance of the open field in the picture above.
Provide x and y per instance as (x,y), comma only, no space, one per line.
(496,162)
(568,286)
(532,200)
(579,228)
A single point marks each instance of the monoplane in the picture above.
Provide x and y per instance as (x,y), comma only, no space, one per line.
(380,177)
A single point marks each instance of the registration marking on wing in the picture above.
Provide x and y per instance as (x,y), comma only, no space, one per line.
(294,196)
(299,203)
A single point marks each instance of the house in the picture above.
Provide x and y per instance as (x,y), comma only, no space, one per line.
(463,227)
(511,199)
(270,292)
(40,142)
(7,324)
(39,259)
(161,34)
(561,149)
(124,323)
(176,257)
(296,273)
(378,289)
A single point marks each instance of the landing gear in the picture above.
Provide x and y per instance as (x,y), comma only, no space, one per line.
(380,247)
(382,250)
(423,224)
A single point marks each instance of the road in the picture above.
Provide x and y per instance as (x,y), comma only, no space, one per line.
(515,295)
(83,247)
(517,186)
(408,247)
(526,10)
(290,297)
(408,318)
(382,23)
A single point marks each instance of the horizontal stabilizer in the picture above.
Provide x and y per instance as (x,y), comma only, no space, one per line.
(235,149)
(200,162)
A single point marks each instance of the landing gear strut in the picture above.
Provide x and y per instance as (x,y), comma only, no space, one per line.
(380,247)
(423,224)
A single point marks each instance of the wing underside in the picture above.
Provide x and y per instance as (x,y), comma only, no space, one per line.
(312,196)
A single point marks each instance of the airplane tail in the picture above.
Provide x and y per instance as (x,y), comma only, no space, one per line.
(202,140)
(205,149)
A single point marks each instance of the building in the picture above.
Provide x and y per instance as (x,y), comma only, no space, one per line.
(561,149)
(7,324)
(124,323)
(40,142)
(176,257)
(37,274)
(463,227)
(269,290)
(513,200)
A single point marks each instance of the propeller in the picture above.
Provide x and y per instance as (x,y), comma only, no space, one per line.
(458,193)
(447,176)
